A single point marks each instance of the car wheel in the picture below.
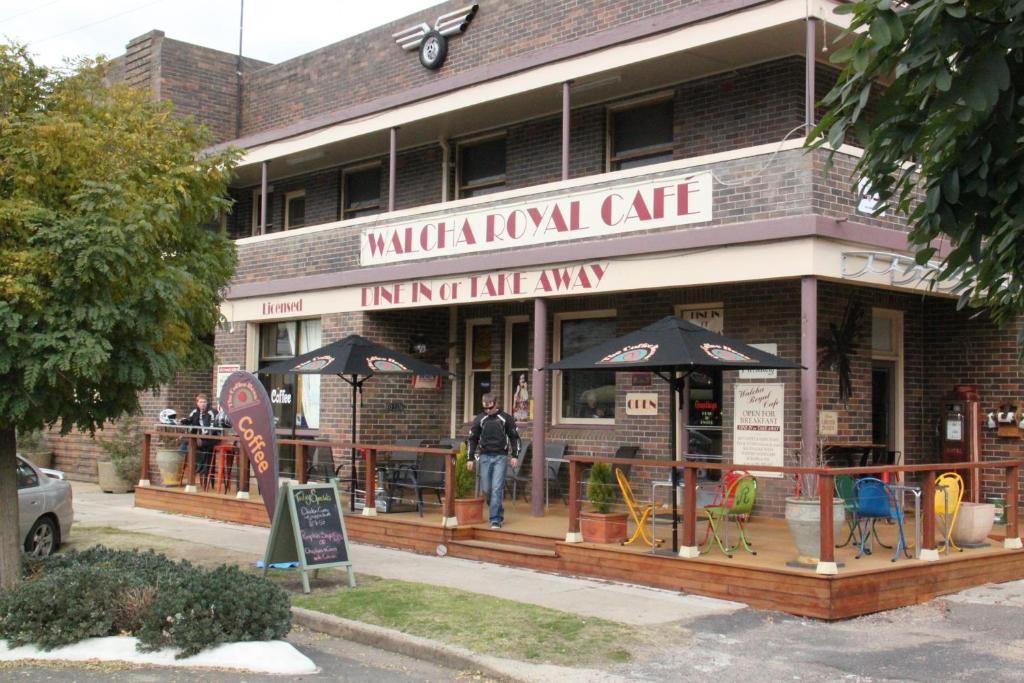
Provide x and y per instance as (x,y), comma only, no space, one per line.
(433,50)
(43,539)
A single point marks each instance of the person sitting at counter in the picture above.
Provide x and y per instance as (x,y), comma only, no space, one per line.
(203,418)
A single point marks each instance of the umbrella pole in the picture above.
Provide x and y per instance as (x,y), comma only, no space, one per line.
(352,482)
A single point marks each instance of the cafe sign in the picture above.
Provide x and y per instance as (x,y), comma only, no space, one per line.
(672,200)
(757,433)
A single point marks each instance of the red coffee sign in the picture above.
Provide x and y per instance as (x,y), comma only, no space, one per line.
(669,200)
(248,408)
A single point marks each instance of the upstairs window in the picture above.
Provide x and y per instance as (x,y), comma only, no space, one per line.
(294,210)
(360,193)
(257,202)
(640,135)
(481,167)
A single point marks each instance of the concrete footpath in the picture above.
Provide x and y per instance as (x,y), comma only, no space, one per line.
(624,603)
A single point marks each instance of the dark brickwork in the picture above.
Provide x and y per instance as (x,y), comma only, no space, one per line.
(362,67)
(199,81)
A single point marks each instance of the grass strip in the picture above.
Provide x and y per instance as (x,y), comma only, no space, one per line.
(494,626)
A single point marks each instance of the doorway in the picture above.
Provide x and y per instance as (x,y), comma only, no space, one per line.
(883,403)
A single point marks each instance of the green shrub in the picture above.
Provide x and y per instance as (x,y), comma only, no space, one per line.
(59,608)
(600,489)
(465,481)
(100,592)
(218,606)
(124,449)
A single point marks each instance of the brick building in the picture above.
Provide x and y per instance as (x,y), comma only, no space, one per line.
(571,172)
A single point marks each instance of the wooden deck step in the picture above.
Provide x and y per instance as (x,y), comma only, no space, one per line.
(511,548)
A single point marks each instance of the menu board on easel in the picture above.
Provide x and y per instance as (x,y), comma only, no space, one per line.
(309,528)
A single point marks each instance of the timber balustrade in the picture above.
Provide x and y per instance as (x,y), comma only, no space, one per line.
(368,453)
(1007,470)
(826,482)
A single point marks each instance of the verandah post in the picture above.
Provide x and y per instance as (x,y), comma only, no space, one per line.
(190,466)
(928,552)
(1012,539)
(370,467)
(147,440)
(448,502)
(826,552)
(573,535)
(300,463)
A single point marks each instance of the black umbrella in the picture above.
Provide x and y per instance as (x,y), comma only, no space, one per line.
(666,347)
(355,359)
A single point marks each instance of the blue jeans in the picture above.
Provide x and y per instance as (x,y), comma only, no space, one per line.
(492,483)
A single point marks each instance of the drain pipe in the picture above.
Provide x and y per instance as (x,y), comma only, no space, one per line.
(446,160)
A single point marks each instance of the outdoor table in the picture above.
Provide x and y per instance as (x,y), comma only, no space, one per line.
(851,453)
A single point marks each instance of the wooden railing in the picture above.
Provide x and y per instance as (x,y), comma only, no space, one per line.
(826,482)
(368,453)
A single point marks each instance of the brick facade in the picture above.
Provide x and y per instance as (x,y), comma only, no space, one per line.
(760,103)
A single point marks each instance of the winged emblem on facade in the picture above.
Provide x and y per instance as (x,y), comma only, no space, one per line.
(433,42)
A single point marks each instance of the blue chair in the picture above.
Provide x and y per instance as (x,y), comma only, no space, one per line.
(875,501)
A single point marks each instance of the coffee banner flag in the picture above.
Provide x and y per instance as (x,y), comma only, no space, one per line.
(248,407)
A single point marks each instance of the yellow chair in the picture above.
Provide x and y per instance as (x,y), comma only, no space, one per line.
(640,512)
(949,492)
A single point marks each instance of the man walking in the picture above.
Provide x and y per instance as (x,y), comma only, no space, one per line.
(495,432)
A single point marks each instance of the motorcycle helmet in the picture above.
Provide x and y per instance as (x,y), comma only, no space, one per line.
(168,416)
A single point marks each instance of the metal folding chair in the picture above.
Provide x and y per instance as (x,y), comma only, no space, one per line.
(876,500)
(640,512)
(738,503)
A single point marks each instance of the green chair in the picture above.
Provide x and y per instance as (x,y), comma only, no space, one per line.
(846,489)
(738,502)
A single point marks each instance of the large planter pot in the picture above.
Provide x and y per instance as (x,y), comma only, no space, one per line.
(973,523)
(39,457)
(109,481)
(469,510)
(168,461)
(803,516)
(603,528)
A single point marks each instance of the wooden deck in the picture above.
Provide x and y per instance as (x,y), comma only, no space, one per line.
(765,580)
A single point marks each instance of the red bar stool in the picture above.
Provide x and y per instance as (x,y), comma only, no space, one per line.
(223,461)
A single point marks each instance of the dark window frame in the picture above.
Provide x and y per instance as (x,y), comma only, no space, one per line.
(485,184)
(648,154)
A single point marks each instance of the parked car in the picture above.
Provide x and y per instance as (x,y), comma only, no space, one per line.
(44,508)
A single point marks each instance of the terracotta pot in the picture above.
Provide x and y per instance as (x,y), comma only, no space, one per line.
(469,510)
(803,517)
(109,481)
(598,527)
(973,523)
(169,462)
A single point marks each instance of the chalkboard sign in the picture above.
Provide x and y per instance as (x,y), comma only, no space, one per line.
(309,528)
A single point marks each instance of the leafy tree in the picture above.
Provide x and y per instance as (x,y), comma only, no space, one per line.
(109,271)
(951,104)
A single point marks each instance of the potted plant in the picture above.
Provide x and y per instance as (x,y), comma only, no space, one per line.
(120,466)
(601,525)
(803,517)
(469,509)
(32,447)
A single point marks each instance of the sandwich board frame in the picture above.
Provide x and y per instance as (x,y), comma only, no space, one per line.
(287,542)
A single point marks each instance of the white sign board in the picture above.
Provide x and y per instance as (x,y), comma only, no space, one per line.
(641,404)
(758,426)
(631,205)
(828,423)
(762,374)
(223,372)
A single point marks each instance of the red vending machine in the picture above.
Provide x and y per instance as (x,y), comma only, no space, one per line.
(960,434)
